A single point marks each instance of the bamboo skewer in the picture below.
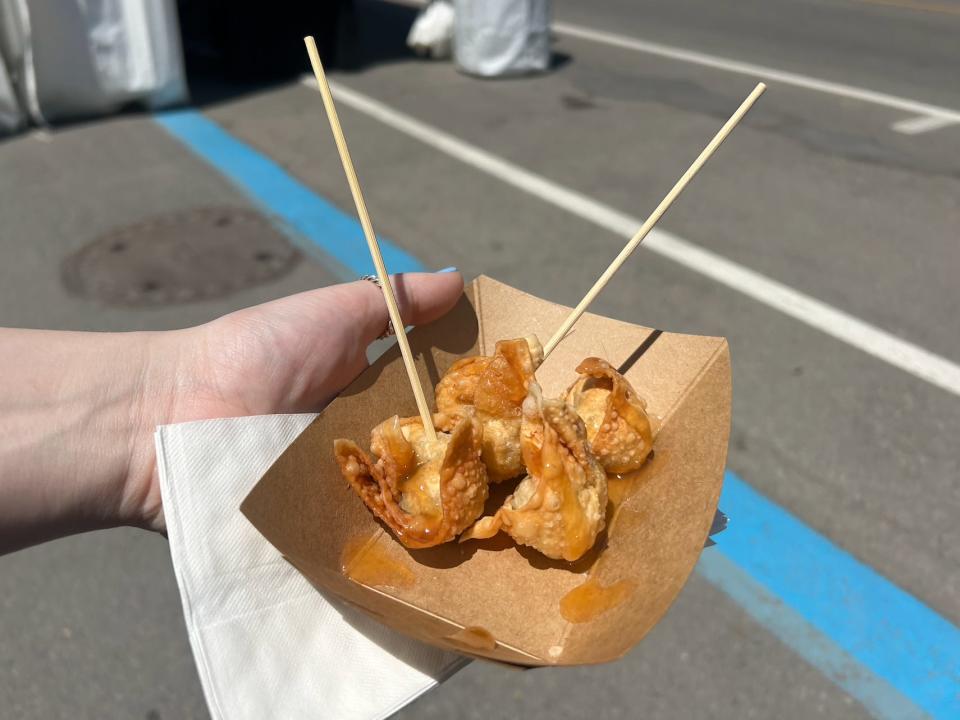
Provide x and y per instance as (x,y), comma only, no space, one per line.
(371,237)
(653,219)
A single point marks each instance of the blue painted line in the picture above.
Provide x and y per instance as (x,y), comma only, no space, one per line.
(880,698)
(336,233)
(885,629)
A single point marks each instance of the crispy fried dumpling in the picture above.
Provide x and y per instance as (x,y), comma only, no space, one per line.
(559,507)
(495,387)
(426,492)
(615,416)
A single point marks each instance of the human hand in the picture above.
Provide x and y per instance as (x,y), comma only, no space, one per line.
(290,355)
(78,410)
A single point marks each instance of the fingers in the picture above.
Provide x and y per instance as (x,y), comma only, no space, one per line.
(305,348)
(421,297)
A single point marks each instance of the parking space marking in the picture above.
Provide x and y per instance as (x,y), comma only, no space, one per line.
(921,124)
(880,699)
(895,351)
(856,612)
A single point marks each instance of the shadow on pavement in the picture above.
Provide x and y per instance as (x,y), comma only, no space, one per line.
(253,51)
(233,49)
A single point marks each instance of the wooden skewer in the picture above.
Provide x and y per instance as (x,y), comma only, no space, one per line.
(654,217)
(371,239)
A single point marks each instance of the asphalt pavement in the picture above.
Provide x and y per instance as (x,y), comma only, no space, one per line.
(816,190)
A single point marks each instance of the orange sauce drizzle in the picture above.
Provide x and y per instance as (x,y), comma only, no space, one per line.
(370,564)
(417,500)
(621,488)
(591,599)
(577,540)
(473,637)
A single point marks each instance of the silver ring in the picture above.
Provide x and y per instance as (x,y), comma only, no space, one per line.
(389,329)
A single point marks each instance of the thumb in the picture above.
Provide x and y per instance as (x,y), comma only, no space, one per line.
(421,298)
(306,348)
(360,311)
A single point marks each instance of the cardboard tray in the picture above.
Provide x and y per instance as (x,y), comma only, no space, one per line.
(494,599)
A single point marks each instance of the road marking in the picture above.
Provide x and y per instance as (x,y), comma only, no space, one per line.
(880,699)
(302,214)
(922,124)
(866,617)
(762,72)
(895,351)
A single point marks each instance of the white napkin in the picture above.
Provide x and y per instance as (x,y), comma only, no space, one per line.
(266,643)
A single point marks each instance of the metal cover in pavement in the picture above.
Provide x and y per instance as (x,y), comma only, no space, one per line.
(182,257)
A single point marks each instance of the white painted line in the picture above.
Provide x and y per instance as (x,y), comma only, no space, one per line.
(922,124)
(900,353)
(767,74)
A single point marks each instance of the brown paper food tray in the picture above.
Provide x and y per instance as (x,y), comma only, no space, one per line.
(304,507)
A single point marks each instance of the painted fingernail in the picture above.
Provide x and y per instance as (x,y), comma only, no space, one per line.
(448,269)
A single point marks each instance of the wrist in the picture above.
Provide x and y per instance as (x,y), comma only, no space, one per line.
(73,414)
(115,396)
(157,389)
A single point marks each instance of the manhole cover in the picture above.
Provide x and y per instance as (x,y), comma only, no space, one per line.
(183,257)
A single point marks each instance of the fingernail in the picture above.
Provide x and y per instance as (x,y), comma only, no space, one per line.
(448,269)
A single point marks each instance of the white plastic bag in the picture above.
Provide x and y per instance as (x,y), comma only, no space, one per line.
(502,37)
(432,32)
(11,117)
(15,70)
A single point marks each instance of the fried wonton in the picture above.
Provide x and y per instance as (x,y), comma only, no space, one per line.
(494,387)
(559,507)
(426,492)
(616,419)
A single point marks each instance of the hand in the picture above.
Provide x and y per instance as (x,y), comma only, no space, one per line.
(78,410)
(289,355)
